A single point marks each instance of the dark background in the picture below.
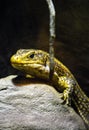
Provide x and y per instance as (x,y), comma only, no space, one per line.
(25,24)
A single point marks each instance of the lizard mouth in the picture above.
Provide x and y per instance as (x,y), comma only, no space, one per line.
(36,70)
(30,66)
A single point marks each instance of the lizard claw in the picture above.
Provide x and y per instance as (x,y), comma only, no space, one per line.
(67,98)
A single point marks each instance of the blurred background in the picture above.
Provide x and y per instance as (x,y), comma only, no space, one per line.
(25,24)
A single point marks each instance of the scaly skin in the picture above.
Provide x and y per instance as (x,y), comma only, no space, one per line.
(36,63)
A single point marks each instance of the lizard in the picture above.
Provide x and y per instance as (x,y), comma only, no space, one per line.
(36,63)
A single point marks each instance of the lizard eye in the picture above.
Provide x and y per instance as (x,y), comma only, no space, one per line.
(32,56)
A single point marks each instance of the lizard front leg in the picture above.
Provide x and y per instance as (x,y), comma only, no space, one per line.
(68,85)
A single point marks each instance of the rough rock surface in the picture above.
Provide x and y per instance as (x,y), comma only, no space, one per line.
(26,104)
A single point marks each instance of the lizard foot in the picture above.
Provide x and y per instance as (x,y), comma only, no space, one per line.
(67,96)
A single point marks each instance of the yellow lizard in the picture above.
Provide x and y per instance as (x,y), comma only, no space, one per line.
(36,63)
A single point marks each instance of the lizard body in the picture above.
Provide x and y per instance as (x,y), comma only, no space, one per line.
(36,63)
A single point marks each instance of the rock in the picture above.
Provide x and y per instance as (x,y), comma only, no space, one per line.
(28,104)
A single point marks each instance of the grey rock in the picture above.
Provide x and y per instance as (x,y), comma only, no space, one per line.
(26,104)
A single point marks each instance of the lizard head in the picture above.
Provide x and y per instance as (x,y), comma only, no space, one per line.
(31,61)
